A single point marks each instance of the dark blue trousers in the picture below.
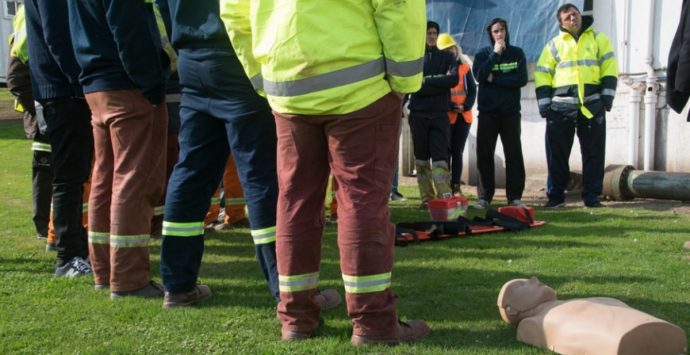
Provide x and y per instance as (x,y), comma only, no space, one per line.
(220,112)
(560,133)
(458,137)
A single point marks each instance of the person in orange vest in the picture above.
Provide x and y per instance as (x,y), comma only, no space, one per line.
(234,202)
(462,98)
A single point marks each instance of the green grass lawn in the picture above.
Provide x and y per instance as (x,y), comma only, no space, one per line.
(631,254)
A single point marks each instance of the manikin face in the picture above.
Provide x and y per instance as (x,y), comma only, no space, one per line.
(521,295)
(431,37)
(571,20)
(498,32)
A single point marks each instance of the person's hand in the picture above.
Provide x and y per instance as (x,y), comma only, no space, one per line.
(499,46)
(490,78)
(544,111)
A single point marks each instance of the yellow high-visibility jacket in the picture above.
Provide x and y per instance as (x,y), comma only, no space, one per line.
(577,74)
(18,44)
(328,56)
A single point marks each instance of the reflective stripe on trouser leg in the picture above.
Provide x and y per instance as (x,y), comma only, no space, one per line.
(264,236)
(441,176)
(265,247)
(367,284)
(183,229)
(158,211)
(99,254)
(295,283)
(426,189)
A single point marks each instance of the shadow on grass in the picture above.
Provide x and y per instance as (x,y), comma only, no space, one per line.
(26,265)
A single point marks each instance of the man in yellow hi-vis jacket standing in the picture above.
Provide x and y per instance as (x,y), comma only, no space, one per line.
(337,109)
(575,81)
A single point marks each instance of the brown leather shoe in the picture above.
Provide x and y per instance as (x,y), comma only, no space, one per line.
(198,294)
(328,299)
(407,332)
(289,335)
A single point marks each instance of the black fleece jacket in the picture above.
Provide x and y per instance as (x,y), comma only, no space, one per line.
(440,75)
(509,74)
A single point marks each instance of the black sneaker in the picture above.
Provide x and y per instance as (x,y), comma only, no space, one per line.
(397,196)
(75,267)
(152,290)
(595,204)
(553,204)
(424,206)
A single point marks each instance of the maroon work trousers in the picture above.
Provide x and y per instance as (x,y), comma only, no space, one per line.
(126,184)
(359,149)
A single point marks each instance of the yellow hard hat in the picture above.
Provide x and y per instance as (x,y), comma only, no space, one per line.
(445,41)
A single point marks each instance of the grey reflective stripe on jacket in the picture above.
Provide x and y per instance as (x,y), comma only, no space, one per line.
(575,100)
(341,77)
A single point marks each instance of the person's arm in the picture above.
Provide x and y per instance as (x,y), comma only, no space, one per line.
(471,90)
(682,83)
(608,70)
(543,77)
(58,42)
(483,64)
(516,78)
(141,57)
(236,17)
(444,81)
(403,45)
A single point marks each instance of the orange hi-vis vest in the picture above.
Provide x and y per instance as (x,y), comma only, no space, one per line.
(458,96)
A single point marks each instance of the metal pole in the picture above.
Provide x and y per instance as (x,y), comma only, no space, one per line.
(622,182)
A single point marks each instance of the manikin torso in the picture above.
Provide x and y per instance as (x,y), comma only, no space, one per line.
(597,326)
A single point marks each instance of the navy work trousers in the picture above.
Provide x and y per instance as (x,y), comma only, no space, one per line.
(219,112)
(560,133)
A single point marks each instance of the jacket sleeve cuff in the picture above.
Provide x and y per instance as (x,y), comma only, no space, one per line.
(405,85)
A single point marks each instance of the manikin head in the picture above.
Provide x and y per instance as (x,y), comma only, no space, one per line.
(519,296)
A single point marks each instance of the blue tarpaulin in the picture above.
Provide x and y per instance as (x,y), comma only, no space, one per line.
(531,23)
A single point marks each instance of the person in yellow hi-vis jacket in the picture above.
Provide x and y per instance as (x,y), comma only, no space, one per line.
(575,82)
(338,110)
